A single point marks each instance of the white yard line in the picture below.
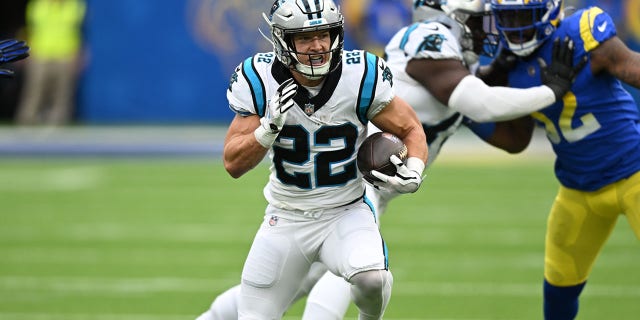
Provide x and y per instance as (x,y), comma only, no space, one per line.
(71,178)
(70,285)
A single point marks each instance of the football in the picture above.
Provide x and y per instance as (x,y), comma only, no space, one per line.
(375,151)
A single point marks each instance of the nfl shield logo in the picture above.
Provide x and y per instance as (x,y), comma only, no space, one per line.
(309,108)
(273,221)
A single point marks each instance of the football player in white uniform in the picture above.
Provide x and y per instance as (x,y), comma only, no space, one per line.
(433,61)
(307,105)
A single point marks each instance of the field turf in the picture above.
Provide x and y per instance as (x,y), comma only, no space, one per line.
(143,239)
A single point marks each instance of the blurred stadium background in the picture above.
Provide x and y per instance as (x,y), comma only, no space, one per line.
(169,61)
(128,213)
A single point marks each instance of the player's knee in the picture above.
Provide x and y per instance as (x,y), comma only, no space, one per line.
(372,283)
(564,275)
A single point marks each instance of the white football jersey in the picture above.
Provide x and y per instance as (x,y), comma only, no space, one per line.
(313,160)
(426,40)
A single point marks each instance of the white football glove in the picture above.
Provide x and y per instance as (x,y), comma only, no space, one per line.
(407,179)
(276,113)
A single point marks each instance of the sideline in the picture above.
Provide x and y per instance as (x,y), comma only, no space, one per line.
(202,141)
(112,141)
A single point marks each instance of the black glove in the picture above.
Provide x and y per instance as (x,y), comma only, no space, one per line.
(497,72)
(561,73)
(505,61)
(12,50)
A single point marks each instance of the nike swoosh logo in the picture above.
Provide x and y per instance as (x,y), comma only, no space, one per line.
(602,27)
(434,28)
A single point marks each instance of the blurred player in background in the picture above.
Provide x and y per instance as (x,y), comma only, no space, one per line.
(54,30)
(432,61)
(594,131)
(373,22)
(320,101)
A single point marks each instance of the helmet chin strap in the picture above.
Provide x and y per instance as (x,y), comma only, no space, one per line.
(314,72)
(466,42)
(470,57)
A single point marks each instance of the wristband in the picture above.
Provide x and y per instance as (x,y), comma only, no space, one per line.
(265,138)
(415,164)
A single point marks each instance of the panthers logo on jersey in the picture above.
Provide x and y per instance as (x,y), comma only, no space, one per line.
(386,73)
(432,42)
(234,78)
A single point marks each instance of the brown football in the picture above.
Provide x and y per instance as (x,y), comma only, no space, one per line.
(375,151)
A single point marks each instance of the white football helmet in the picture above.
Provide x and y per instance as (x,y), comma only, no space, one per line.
(289,17)
(525,24)
(461,11)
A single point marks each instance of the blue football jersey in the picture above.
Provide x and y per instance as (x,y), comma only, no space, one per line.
(595,129)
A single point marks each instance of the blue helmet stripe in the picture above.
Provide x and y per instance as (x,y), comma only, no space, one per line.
(256,86)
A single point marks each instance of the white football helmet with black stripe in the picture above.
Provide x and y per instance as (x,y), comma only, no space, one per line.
(289,17)
(461,11)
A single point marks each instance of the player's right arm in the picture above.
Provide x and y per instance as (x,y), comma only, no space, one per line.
(258,120)
(250,137)
(242,151)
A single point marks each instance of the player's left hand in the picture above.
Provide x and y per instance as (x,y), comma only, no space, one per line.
(407,179)
(12,50)
(561,73)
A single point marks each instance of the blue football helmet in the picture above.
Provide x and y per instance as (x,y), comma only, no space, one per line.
(525,24)
(289,17)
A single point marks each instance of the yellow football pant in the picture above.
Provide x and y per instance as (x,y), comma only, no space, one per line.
(580,223)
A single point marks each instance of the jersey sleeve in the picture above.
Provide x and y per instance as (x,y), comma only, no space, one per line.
(382,82)
(245,80)
(596,26)
(430,40)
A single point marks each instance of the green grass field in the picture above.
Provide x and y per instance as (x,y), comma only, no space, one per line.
(150,239)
